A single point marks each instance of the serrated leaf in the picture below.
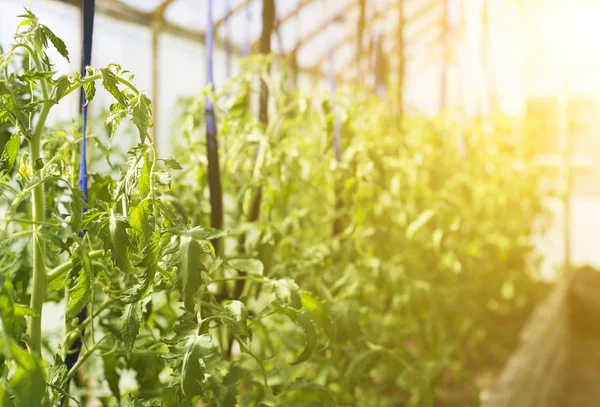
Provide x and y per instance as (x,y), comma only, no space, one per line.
(9,154)
(162,178)
(189,268)
(34,76)
(193,368)
(236,318)
(130,325)
(90,91)
(113,232)
(58,44)
(172,164)
(253,267)
(150,265)
(141,114)
(61,86)
(140,222)
(117,112)
(77,201)
(110,83)
(80,294)
(57,377)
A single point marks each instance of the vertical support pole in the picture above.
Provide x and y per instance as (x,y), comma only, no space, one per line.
(212,145)
(268,22)
(88,8)
(562,122)
(156,25)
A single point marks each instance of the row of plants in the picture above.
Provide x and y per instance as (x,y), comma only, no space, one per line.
(430,252)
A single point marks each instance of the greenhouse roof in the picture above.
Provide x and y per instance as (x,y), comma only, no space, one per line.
(304,28)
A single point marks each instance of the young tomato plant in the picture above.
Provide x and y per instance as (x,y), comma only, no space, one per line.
(158,298)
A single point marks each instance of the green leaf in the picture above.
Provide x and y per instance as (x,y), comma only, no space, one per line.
(90,91)
(28,382)
(162,178)
(286,293)
(150,265)
(56,42)
(308,327)
(193,368)
(130,325)
(80,294)
(144,180)
(117,112)
(77,200)
(57,377)
(236,318)
(140,220)
(189,265)
(253,267)
(110,83)
(317,310)
(9,155)
(111,374)
(113,232)
(34,76)
(172,164)
(141,114)
(61,85)
(418,223)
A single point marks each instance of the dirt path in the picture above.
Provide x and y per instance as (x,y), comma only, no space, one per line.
(582,382)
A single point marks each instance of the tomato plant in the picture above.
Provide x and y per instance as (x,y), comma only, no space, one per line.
(430,251)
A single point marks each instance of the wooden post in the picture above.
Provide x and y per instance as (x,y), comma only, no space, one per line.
(268,18)
(562,122)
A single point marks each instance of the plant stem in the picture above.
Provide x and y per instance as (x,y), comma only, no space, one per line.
(39,268)
(82,359)
(63,268)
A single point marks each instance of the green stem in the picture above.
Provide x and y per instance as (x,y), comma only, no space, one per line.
(83,358)
(63,268)
(39,268)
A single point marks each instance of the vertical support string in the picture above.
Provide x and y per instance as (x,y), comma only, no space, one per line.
(87,13)
(212,146)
